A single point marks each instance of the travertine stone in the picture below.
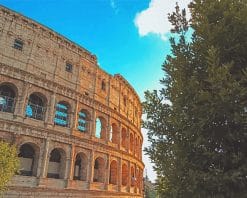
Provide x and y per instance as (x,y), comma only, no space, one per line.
(39,69)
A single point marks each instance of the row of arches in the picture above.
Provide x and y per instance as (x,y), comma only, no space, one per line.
(29,156)
(36,108)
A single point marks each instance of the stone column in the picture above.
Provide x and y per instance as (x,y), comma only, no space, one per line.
(45,159)
(119,174)
(108,129)
(72,162)
(22,101)
(134,150)
(93,124)
(68,164)
(43,164)
(75,115)
(107,175)
(70,168)
(91,169)
(51,110)
(72,117)
(128,139)
(129,177)
(120,136)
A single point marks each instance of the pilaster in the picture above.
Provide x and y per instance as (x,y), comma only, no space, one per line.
(91,169)
(119,174)
(51,110)
(22,101)
(107,174)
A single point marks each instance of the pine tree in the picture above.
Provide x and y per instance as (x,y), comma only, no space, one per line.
(197,124)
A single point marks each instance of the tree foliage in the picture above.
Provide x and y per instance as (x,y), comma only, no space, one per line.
(197,123)
(9,164)
(149,188)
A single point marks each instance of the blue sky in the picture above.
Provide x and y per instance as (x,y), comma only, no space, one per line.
(127,36)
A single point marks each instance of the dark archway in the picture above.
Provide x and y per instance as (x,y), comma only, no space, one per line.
(113,173)
(36,107)
(28,160)
(56,165)
(80,168)
(99,170)
(7,98)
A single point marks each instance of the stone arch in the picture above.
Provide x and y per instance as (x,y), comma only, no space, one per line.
(83,120)
(124,136)
(114,133)
(99,170)
(80,167)
(100,127)
(28,156)
(103,85)
(62,114)
(137,178)
(8,95)
(36,106)
(125,175)
(132,175)
(131,142)
(113,178)
(57,164)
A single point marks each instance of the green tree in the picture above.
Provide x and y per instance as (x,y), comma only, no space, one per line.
(9,164)
(149,188)
(197,123)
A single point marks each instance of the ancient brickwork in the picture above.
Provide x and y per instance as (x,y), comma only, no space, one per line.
(77,128)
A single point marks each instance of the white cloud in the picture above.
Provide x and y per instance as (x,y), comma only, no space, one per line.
(154,18)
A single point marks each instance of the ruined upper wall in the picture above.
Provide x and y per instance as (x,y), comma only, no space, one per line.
(45,53)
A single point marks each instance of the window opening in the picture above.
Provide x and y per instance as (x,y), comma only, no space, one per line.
(18,44)
(61,115)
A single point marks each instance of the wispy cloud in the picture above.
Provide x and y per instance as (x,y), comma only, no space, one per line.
(154,18)
(114,6)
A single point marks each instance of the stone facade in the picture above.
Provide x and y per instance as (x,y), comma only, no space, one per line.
(77,128)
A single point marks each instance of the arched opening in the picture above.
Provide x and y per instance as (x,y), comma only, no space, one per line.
(125,101)
(113,173)
(131,142)
(62,114)
(28,160)
(125,175)
(114,133)
(56,164)
(124,138)
(7,98)
(80,168)
(36,107)
(103,85)
(137,178)
(99,170)
(133,178)
(83,121)
(100,128)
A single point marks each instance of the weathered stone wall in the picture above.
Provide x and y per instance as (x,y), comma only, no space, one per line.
(39,68)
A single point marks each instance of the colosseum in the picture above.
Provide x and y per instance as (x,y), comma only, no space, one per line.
(77,129)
